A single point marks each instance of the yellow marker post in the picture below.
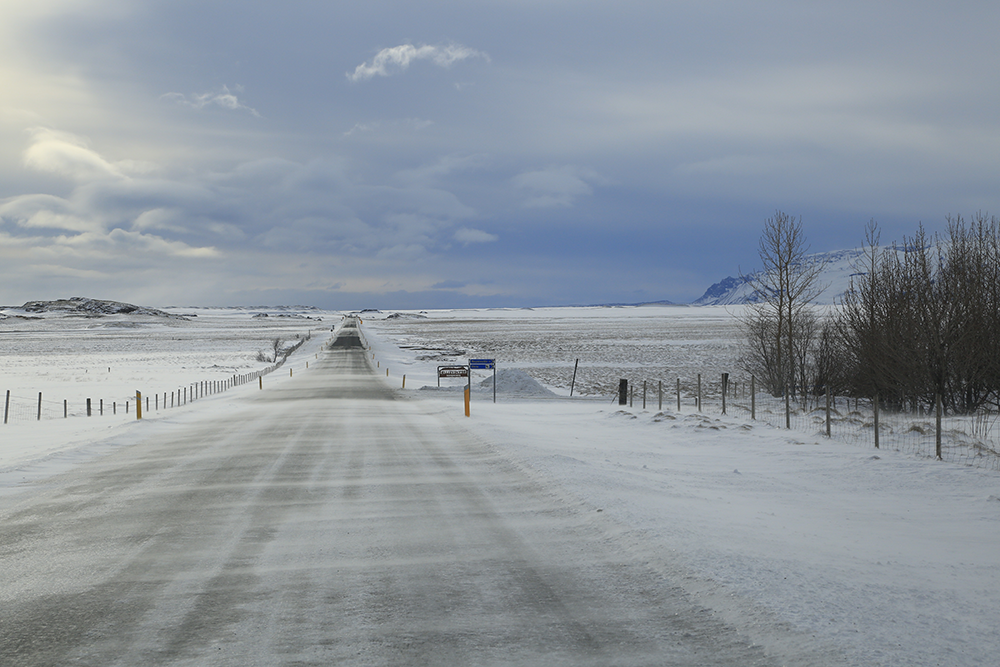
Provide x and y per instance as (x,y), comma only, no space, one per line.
(260,381)
(467,402)
(404,382)
(138,404)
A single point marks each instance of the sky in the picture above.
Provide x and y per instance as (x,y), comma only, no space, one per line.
(469,153)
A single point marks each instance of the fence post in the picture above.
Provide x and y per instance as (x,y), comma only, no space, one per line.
(788,410)
(102,407)
(828,411)
(678,394)
(753,398)
(660,408)
(725,390)
(404,380)
(65,409)
(572,383)
(6,407)
(643,394)
(88,407)
(937,425)
(138,404)
(39,406)
(622,391)
(699,392)
(875,420)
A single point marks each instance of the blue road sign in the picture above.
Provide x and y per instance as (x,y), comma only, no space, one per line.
(482,364)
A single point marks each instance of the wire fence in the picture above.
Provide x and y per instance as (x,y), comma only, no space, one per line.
(29,406)
(972,440)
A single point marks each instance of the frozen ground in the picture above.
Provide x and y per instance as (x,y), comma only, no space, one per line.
(885,558)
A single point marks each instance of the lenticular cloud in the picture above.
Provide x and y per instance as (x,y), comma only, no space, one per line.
(398,58)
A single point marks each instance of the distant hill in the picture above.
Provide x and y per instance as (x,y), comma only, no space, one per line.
(85,307)
(835,279)
(630,305)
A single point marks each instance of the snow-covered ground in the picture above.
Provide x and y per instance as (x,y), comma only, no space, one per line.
(889,558)
(68,359)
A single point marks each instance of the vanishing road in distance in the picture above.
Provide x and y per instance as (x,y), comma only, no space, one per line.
(328,521)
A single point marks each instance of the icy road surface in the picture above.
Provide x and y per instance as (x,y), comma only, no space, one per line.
(327,522)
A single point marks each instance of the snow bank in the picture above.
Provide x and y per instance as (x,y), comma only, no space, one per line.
(510,382)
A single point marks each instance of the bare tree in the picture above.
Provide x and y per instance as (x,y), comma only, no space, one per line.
(778,324)
(922,320)
(277,346)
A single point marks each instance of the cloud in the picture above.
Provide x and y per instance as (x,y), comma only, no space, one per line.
(467,236)
(555,186)
(64,154)
(317,207)
(442,168)
(398,59)
(449,284)
(222,98)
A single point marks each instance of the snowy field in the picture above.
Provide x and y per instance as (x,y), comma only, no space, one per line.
(883,557)
(68,359)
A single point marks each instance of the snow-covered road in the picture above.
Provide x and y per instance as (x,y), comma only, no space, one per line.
(328,520)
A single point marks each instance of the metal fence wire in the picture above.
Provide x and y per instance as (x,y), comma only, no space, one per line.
(972,440)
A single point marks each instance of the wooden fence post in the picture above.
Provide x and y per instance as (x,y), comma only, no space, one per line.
(622,391)
(937,425)
(643,394)
(678,394)
(725,390)
(572,383)
(39,406)
(753,398)
(875,418)
(6,407)
(788,410)
(699,392)
(88,407)
(828,411)
(660,408)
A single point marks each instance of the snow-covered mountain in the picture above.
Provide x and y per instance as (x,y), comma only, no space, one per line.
(835,278)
